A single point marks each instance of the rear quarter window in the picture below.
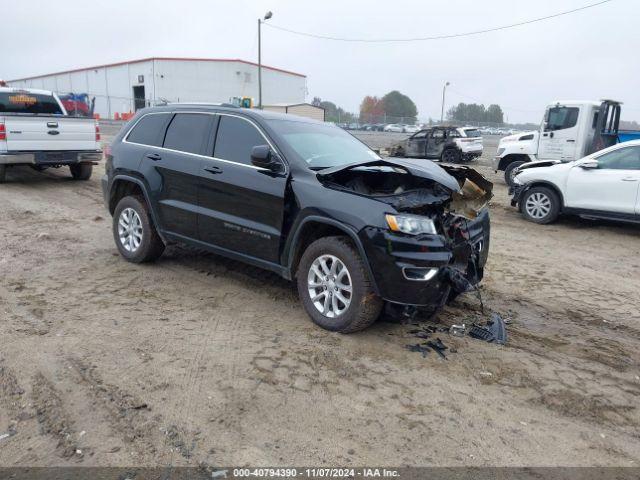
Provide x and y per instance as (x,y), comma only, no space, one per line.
(150,129)
(29,103)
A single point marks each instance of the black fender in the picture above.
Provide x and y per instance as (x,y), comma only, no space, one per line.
(130,178)
(294,238)
(509,159)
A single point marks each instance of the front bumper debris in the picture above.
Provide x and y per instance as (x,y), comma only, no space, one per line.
(458,262)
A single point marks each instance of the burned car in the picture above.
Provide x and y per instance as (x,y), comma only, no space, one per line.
(448,144)
(300,198)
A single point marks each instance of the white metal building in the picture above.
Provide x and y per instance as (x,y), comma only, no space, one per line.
(125,87)
(300,109)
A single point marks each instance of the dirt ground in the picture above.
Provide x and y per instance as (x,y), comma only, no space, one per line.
(197,359)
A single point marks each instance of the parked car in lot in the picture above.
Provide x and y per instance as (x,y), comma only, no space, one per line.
(449,144)
(300,198)
(394,127)
(411,129)
(36,131)
(605,184)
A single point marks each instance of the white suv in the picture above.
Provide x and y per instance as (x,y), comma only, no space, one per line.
(605,184)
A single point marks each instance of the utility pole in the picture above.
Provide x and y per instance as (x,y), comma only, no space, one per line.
(444,90)
(267,16)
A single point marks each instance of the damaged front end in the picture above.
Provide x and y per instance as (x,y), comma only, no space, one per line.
(423,269)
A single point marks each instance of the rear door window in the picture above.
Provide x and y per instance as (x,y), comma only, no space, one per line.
(236,137)
(150,130)
(188,132)
(30,103)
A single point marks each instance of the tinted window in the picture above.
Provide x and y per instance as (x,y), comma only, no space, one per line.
(25,102)
(149,130)
(187,132)
(560,118)
(622,159)
(236,137)
(453,134)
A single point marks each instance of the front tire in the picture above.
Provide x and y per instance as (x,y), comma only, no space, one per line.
(81,171)
(133,231)
(334,286)
(510,172)
(540,205)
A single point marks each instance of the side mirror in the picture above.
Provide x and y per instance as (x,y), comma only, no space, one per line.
(589,164)
(261,156)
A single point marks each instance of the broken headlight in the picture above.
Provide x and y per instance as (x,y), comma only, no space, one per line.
(410,224)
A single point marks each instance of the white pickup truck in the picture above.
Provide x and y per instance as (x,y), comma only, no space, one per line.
(569,131)
(35,130)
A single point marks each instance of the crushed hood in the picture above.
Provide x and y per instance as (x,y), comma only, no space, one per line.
(540,163)
(414,185)
(417,168)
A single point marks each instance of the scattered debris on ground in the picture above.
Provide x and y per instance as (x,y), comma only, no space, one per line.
(493,331)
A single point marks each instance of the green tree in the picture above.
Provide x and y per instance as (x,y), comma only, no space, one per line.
(397,105)
(495,114)
(473,112)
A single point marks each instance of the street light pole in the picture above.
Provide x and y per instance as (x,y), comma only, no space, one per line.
(444,89)
(267,16)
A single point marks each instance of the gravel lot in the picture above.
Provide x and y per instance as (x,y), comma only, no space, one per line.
(197,359)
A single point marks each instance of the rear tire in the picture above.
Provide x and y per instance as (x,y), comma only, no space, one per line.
(364,306)
(510,171)
(81,171)
(133,231)
(540,205)
(450,155)
(3,173)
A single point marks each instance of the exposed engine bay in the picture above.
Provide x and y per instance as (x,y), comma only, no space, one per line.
(419,188)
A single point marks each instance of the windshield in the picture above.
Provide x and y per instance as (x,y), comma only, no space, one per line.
(322,146)
(25,102)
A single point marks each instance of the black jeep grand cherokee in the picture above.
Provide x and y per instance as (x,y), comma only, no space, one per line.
(303,199)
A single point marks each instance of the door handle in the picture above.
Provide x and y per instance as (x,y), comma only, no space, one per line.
(153,156)
(629,179)
(571,141)
(214,170)
(551,134)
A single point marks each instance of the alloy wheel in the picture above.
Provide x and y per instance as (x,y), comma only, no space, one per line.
(329,285)
(538,205)
(130,230)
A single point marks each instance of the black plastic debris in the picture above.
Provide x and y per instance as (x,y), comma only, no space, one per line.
(423,349)
(438,347)
(493,331)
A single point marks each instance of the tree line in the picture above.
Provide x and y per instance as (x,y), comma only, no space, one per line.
(472,112)
(395,107)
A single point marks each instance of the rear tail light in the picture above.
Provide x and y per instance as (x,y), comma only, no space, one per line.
(97,132)
(3,132)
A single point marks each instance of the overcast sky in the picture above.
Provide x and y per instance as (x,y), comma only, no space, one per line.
(591,54)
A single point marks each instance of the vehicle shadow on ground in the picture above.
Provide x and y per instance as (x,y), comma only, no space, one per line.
(26,176)
(578,223)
